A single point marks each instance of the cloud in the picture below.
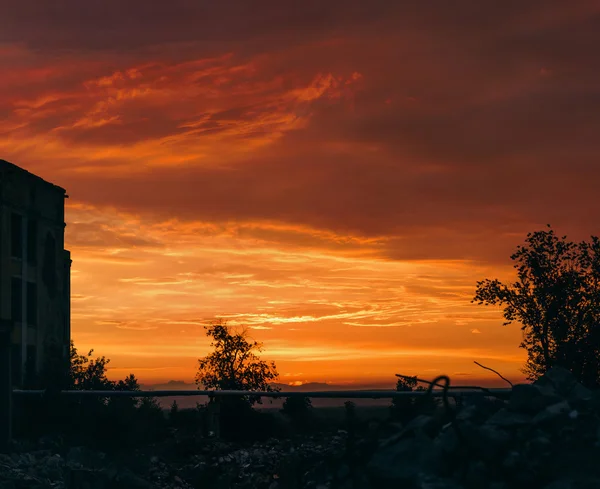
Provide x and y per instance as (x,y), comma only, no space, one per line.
(350,170)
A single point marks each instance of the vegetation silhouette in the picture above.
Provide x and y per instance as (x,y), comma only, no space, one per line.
(299,410)
(233,365)
(557,301)
(403,409)
(104,422)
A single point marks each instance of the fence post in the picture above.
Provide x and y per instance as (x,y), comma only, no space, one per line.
(213,414)
(459,400)
(5,388)
(217,416)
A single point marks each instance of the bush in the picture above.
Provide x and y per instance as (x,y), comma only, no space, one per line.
(116,422)
(299,411)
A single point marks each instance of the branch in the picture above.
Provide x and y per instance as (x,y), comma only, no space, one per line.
(484,389)
(488,368)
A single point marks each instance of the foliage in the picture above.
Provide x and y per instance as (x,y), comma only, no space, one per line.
(350,419)
(174,412)
(109,422)
(350,410)
(403,408)
(86,374)
(556,299)
(298,410)
(233,365)
(296,404)
(406,408)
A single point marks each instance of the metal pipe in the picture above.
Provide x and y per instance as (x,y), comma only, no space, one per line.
(23,297)
(373,394)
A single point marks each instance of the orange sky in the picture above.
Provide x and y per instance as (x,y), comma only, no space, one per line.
(336,176)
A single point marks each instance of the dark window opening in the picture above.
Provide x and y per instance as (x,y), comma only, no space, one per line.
(16,299)
(49,265)
(15,363)
(32,242)
(16,235)
(32,304)
(30,365)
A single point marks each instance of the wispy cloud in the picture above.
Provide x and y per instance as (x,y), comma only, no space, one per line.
(338,191)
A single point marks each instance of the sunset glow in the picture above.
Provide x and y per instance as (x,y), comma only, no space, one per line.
(336,179)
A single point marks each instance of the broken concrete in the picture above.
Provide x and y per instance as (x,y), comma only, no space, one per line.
(546,436)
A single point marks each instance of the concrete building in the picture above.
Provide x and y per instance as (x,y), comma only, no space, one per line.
(34,272)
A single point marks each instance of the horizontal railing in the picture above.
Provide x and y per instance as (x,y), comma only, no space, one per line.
(213,419)
(356,394)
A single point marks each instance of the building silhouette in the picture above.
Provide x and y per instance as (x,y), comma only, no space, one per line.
(34,273)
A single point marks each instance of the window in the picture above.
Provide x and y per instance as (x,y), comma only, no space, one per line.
(15,361)
(16,235)
(30,365)
(49,265)
(31,304)
(16,299)
(32,242)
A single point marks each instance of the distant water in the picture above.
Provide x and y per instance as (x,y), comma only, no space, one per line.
(188,402)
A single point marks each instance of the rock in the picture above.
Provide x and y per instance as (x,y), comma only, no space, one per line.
(477,476)
(564,384)
(508,419)
(512,461)
(488,442)
(467,413)
(531,398)
(400,462)
(126,479)
(575,483)
(84,457)
(86,479)
(447,441)
(546,431)
(6,460)
(552,413)
(343,472)
(433,482)
(421,423)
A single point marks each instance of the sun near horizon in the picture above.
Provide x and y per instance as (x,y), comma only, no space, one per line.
(335,177)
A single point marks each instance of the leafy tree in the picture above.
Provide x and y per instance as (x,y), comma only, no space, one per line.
(174,412)
(86,374)
(233,364)
(296,404)
(350,416)
(298,410)
(129,384)
(108,417)
(556,299)
(405,408)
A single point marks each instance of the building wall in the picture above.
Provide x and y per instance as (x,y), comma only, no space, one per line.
(42,300)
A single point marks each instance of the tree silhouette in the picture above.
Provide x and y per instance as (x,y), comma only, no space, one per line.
(114,417)
(405,408)
(299,410)
(557,301)
(233,365)
(86,374)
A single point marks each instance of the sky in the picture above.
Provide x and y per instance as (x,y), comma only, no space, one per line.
(335,176)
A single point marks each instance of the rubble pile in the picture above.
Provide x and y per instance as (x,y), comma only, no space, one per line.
(546,436)
(272,464)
